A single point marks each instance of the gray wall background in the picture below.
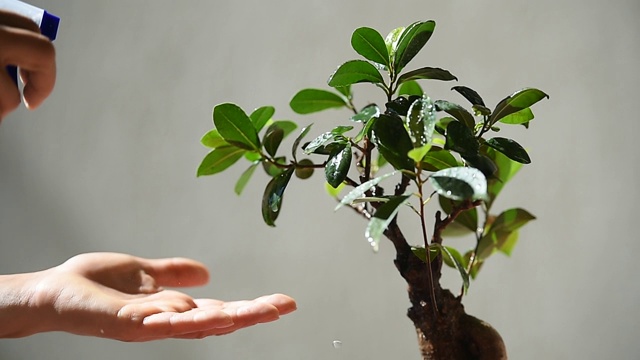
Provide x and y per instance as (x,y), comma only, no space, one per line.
(108,164)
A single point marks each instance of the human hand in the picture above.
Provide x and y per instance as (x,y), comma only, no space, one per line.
(121,297)
(21,44)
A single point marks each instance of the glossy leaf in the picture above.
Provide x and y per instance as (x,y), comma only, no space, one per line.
(382,218)
(296,142)
(460,183)
(410,87)
(355,71)
(440,159)
(346,91)
(457,111)
(272,139)
(429,73)
(212,139)
(318,142)
(308,101)
(482,163)
(235,126)
(244,178)
(391,41)
(461,139)
(411,41)
(393,141)
(219,159)
(471,95)
(518,101)
(362,189)
(519,117)
(272,198)
(338,166)
(421,121)
(500,232)
(260,116)
(370,44)
(341,129)
(366,114)
(510,148)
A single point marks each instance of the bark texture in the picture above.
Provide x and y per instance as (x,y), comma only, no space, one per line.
(447,333)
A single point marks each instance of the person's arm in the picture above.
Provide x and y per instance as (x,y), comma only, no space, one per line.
(122,297)
(21,44)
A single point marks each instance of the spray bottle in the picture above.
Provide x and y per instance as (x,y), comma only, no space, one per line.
(47,22)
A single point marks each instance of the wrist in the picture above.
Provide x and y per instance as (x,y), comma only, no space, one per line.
(23,308)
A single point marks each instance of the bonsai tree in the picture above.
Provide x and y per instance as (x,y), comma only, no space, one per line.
(397,156)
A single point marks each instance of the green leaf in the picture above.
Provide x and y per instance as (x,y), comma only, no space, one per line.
(421,121)
(272,198)
(471,95)
(500,232)
(212,139)
(244,178)
(507,168)
(382,218)
(304,169)
(361,189)
(235,126)
(460,183)
(219,159)
(366,114)
(453,257)
(333,192)
(436,160)
(287,126)
(355,71)
(253,156)
(461,139)
(417,154)
(511,148)
(509,244)
(296,142)
(346,91)
(421,253)
(366,129)
(409,88)
(411,41)
(370,44)
(393,141)
(341,129)
(308,101)
(274,170)
(260,116)
(467,219)
(427,73)
(457,112)
(519,117)
(272,139)
(518,101)
(391,41)
(318,142)
(338,166)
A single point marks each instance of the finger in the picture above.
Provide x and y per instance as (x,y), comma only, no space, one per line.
(285,304)
(169,325)
(9,94)
(176,272)
(35,55)
(243,313)
(12,19)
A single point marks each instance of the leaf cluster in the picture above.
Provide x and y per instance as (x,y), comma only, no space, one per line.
(436,148)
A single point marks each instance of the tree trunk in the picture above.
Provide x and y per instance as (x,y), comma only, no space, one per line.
(447,333)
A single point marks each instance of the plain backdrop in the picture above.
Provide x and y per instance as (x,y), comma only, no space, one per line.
(109,163)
